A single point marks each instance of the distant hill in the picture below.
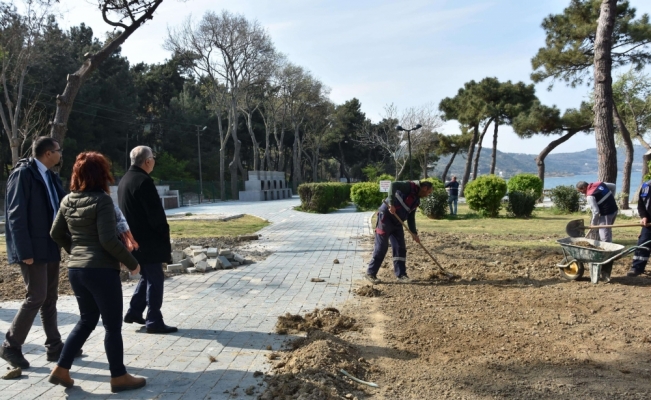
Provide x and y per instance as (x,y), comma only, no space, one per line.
(556,164)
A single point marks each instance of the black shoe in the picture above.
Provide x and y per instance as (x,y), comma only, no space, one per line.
(129,319)
(55,355)
(372,278)
(14,357)
(633,272)
(163,329)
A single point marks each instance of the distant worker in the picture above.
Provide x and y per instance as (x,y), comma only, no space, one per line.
(403,199)
(641,256)
(453,194)
(601,199)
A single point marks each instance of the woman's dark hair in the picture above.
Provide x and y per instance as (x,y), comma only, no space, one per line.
(91,172)
(43,144)
(426,184)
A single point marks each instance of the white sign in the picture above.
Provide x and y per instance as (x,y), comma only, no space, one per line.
(384,186)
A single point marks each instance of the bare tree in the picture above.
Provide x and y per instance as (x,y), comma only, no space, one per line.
(300,92)
(426,138)
(20,111)
(318,122)
(195,45)
(385,136)
(254,82)
(121,14)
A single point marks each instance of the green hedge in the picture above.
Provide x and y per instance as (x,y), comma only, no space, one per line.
(436,204)
(525,182)
(566,198)
(522,203)
(322,197)
(436,182)
(367,196)
(485,194)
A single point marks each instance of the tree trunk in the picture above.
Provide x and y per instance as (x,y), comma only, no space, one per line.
(234,164)
(65,100)
(494,155)
(471,150)
(256,146)
(603,93)
(628,161)
(266,162)
(447,167)
(281,149)
(296,160)
(479,146)
(540,160)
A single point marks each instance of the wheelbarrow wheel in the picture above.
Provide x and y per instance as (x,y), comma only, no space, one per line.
(573,271)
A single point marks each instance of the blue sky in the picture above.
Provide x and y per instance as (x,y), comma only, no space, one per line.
(408,52)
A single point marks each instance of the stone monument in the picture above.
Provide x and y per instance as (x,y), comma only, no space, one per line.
(265,185)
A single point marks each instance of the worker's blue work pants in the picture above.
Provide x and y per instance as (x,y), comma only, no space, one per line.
(389,229)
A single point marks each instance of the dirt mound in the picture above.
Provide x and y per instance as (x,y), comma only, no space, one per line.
(328,319)
(311,371)
(368,291)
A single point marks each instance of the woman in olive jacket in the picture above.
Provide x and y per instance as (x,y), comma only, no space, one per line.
(85,227)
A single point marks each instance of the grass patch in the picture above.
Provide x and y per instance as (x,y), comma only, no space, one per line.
(331,209)
(245,225)
(541,231)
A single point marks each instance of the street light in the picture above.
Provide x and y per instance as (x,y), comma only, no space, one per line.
(400,129)
(199,130)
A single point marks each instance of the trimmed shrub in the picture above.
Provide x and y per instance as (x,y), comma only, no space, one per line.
(436,204)
(525,182)
(485,194)
(566,198)
(436,183)
(321,197)
(385,177)
(367,196)
(522,203)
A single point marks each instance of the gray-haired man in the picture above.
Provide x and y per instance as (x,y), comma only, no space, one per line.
(141,206)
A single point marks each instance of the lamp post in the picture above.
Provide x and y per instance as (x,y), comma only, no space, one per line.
(401,129)
(199,130)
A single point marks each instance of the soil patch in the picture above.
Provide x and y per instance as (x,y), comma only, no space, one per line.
(310,370)
(586,245)
(368,291)
(510,327)
(328,319)
(12,286)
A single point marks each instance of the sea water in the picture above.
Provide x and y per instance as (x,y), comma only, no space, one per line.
(552,182)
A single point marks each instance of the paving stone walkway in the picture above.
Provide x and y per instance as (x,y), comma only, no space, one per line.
(227,314)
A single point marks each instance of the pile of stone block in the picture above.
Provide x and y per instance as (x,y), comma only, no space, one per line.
(204,259)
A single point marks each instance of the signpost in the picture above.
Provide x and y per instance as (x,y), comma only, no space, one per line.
(384,186)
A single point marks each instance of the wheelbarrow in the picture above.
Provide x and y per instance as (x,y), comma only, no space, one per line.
(599,259)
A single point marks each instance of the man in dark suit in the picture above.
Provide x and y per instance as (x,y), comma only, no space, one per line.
(32,201)
(142,207)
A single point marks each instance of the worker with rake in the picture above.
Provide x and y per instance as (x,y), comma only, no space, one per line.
(402,202)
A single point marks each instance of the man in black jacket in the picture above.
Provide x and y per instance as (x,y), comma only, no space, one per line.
(142,207)
(32,201)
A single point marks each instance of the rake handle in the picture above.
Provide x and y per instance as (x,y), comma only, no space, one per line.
(420,244)
(615,226)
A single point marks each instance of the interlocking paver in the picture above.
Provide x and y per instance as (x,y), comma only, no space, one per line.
(227,314)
